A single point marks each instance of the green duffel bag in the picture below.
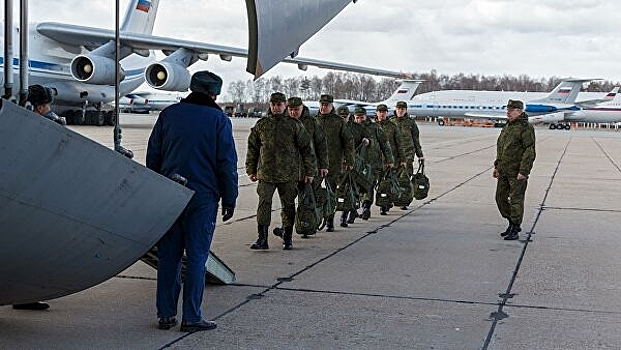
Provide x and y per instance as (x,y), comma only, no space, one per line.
(385,190)
(406,194)
(346,193)
(420,182)
(308,215)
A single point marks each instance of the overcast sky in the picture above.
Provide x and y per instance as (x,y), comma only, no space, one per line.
(540,38)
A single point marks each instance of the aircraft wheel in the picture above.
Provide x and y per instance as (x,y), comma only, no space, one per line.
(100,118)
(567,126)
(441,122)
(110,118)
(552,126)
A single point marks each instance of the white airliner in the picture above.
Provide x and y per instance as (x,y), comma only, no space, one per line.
(565,99)
(404,92)
(603,112)
(145,101)
(78,62)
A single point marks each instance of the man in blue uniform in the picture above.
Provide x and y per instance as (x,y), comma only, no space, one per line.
(194,139)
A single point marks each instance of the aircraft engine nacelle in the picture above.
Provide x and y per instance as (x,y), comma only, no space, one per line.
(167,76)
(94,70)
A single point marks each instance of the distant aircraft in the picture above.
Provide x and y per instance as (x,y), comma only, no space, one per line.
(77,62)
(603,112)
(145,101)
(541,107)
(404,92)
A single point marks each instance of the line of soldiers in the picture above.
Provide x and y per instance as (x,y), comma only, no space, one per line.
(290,148)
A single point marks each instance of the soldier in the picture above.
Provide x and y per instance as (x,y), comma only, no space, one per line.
(378,153)
(357,130)
(408,138)
(300,112)
(278,146)
(340,144)
(392,134)
(515,154)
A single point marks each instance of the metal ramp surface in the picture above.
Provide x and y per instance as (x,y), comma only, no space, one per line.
(217,271)
(73,213)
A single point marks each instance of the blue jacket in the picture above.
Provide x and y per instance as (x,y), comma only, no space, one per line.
(194,138)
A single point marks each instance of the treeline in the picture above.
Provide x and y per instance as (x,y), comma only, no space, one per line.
(367,88)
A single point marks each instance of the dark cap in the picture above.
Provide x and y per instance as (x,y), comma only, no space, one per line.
(342,111)
(360,111)
(278,97)
(402,104)
(382,108)
(206,82)
(326,99)
(39,95)
(515,104)
(294,102)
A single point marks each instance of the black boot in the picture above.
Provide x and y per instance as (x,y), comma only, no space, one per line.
(366,210)
(353,214)
(261,242)
(344,219)
(287,242)
(506,232)
(383,210)
(513,233)
(278,231)
(330,224)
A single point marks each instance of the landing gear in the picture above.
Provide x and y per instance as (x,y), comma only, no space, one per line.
(90,117)
(560,126)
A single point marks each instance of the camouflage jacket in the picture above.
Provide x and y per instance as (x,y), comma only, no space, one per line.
(340,142)
(408,137)
(318,139)
(392,134)
(515,148)
(357,132)
(278,146)
(378,151)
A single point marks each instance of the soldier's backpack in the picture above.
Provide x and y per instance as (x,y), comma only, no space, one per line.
(308,216)
(346,193)
(405,185)
(387,188)
(362,172)
(326,202)
(420,182)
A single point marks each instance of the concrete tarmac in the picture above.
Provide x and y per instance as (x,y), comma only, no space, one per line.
(435,276)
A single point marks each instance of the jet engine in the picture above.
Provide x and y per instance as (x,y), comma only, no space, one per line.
(167,76)
(94,70)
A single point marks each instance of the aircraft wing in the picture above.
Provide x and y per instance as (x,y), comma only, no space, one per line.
(89,37)
(277,28)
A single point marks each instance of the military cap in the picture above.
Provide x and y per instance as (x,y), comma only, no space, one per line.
(342,111)
(206,82)
(39,95)
(402,104)
(382,108)
(278,97)
(326,99)
(515,104)
(294,102)
(360,111)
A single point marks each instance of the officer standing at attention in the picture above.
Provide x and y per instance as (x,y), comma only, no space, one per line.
(278,146)
(392,134)
(515,154)
(340,144)
(408,138)
(193,139)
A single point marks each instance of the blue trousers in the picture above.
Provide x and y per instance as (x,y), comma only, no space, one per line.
(192,232)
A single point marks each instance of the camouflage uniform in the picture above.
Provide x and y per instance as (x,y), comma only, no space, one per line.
(318,140)
(278,146)
(391,130)
(340,147)
(378,152)
(515,153)
(409,143)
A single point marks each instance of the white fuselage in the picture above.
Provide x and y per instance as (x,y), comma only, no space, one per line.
(49,65)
